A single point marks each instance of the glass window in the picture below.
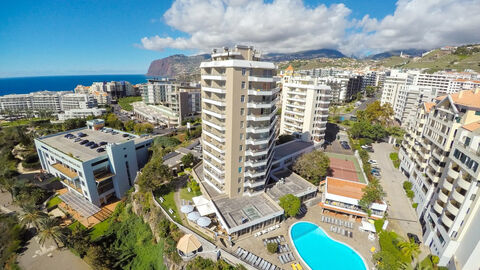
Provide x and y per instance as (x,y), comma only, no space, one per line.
(244,71)
(241,136)
(241,124)
(240,159)
(239,180)
(241,147)
(239,169)
(242,98)
(242,111)
(243,85)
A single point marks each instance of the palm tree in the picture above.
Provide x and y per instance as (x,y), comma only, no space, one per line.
(50,229)
(409,248)
(32,216)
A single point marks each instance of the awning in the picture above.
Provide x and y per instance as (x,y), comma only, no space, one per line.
(204,206)
(84,207)
(203,222)
(193,216)
(367,226)
(186,209)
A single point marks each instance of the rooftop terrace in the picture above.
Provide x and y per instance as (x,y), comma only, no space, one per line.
(289,148)
(82,152)
(292,183)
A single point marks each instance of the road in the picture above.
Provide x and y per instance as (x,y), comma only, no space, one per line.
(400,211)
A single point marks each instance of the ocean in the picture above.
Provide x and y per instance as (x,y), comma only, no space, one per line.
(23,85)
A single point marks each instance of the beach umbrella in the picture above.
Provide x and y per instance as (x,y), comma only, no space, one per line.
(203,221)
(186,209)
(193,216)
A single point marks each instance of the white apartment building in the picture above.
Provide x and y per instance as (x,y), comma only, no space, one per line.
(440,156)
(54,101)
(305,108)
(102,98)
(96,164)
(77,101)
(114,89)
(80,113)
(409,99)
(338,87)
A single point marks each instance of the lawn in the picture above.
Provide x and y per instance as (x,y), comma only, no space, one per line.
(53,201)
(395,160)
(100,229)
(185,195)
(126,102)
(361,179)
(169,203)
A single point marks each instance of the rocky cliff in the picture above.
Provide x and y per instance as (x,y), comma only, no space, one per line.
(176,65)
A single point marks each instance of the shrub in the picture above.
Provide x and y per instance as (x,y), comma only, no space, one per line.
(285,138)
(407,185)
(272,247)
(410,194)
(290,204)
(379,224)
(415,205)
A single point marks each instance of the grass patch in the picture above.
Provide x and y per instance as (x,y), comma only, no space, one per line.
(185,195)
(395,160)
(100,229)
(126,102)
(54,201)
(169,203)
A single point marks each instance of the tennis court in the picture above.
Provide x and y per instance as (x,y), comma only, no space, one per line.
(345,167)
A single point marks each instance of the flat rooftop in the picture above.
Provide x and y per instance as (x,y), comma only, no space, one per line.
(289,148)
(82,152)
(289,183)
(344,188)
(240,210)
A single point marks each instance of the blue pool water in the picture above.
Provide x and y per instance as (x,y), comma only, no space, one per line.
(319,251)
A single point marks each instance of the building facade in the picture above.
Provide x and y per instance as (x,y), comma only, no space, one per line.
(90,173)
(440,156)
(238,121)
(305,102)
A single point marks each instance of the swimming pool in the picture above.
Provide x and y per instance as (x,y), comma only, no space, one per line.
(319,251)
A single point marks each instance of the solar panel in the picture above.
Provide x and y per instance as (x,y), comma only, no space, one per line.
(251,212)
(80,204)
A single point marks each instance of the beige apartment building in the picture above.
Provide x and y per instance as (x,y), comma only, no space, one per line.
(305,102)
(238,121)
(440,155)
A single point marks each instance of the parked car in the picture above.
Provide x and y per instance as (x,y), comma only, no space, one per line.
(101,149)
(345,145)
(372,161)
(102,143)
(84,142)
(376,174)
(89,143)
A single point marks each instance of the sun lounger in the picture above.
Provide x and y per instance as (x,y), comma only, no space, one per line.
(257,261)
(273,267)
(299,267)
(293,266)
(280,258)
(261,264)
(267,265)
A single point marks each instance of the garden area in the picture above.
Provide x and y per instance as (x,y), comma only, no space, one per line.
(126,102)
(395,160)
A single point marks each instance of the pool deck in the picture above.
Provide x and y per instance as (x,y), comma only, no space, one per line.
(359,241)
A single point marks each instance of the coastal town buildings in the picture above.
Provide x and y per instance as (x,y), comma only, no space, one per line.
(305,102)
(440,157)
(96,164)
(168,102)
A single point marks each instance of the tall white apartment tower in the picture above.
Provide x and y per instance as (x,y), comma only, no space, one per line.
(305,108)
(238,120)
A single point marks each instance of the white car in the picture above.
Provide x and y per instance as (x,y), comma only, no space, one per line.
(372,161)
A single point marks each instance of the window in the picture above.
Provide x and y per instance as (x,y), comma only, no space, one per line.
(239,189)
(241,124)
(241,147)
(467,141)
(243,85)
(244,71)
(241,136)
(239,169)
(242,98)
(242,111)
(477,112)
(239,180)
(240,159)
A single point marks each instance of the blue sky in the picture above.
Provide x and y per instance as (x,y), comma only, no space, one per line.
(50,37)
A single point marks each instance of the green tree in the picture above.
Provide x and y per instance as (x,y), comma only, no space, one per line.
(370,91)
(51,229)
(79,239)
(96,257)
(141,128)
(373,192)
(272,247)
(290,204)
(129,125)
(313,166)
(409,249)
(188,160)
(32,217)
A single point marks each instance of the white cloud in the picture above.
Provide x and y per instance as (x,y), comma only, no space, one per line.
(418,24)
(290,25)
(280,26)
